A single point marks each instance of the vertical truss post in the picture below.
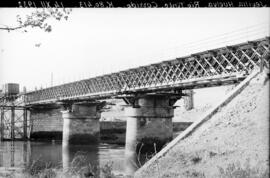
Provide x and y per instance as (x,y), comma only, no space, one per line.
(12,133)
(261,63)
(25,124)
(2,124)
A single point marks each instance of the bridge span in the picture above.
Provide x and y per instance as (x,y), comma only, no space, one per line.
(149,91)
(208,68)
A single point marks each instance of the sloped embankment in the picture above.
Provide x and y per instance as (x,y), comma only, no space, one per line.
(236,139)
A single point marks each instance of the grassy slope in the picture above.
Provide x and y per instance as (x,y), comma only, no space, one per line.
(239,133)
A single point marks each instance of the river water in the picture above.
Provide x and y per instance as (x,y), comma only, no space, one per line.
(21,154)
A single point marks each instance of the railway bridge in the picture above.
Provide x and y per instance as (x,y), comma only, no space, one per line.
(149,92)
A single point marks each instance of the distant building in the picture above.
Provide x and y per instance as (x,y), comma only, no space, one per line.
(10,88)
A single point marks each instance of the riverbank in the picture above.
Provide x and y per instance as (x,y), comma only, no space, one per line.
(10,172)
(79,168)
(234,142)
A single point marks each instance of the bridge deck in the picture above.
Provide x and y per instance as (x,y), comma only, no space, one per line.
(209,68)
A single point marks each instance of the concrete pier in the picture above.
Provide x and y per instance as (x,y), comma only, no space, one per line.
(149,127)
(81,124)
(149,122)
(188,99)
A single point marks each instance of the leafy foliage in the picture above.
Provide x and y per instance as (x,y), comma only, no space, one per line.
(79,167)
(107,170)
(39,19)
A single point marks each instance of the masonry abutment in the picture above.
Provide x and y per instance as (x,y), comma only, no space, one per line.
(46,123)
(81,124)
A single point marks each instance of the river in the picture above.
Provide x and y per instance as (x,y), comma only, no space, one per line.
(21,154)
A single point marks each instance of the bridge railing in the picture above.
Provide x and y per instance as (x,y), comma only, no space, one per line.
(236,60)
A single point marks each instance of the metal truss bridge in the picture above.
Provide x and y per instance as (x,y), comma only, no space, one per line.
(220,66)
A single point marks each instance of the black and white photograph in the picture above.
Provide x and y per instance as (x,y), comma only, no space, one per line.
(144,92)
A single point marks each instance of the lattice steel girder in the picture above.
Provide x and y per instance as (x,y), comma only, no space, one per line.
(225,64)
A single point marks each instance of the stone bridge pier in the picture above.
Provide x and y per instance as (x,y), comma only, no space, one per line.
(81,123)
(46,122)
(149,125)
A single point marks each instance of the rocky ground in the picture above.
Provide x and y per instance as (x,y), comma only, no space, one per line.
(233,143)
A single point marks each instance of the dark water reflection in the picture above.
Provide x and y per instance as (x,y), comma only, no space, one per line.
(21,154)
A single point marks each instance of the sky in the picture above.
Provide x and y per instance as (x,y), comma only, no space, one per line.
(94,42)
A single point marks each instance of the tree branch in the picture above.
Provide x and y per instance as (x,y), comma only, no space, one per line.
(11,28)
(38,19)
